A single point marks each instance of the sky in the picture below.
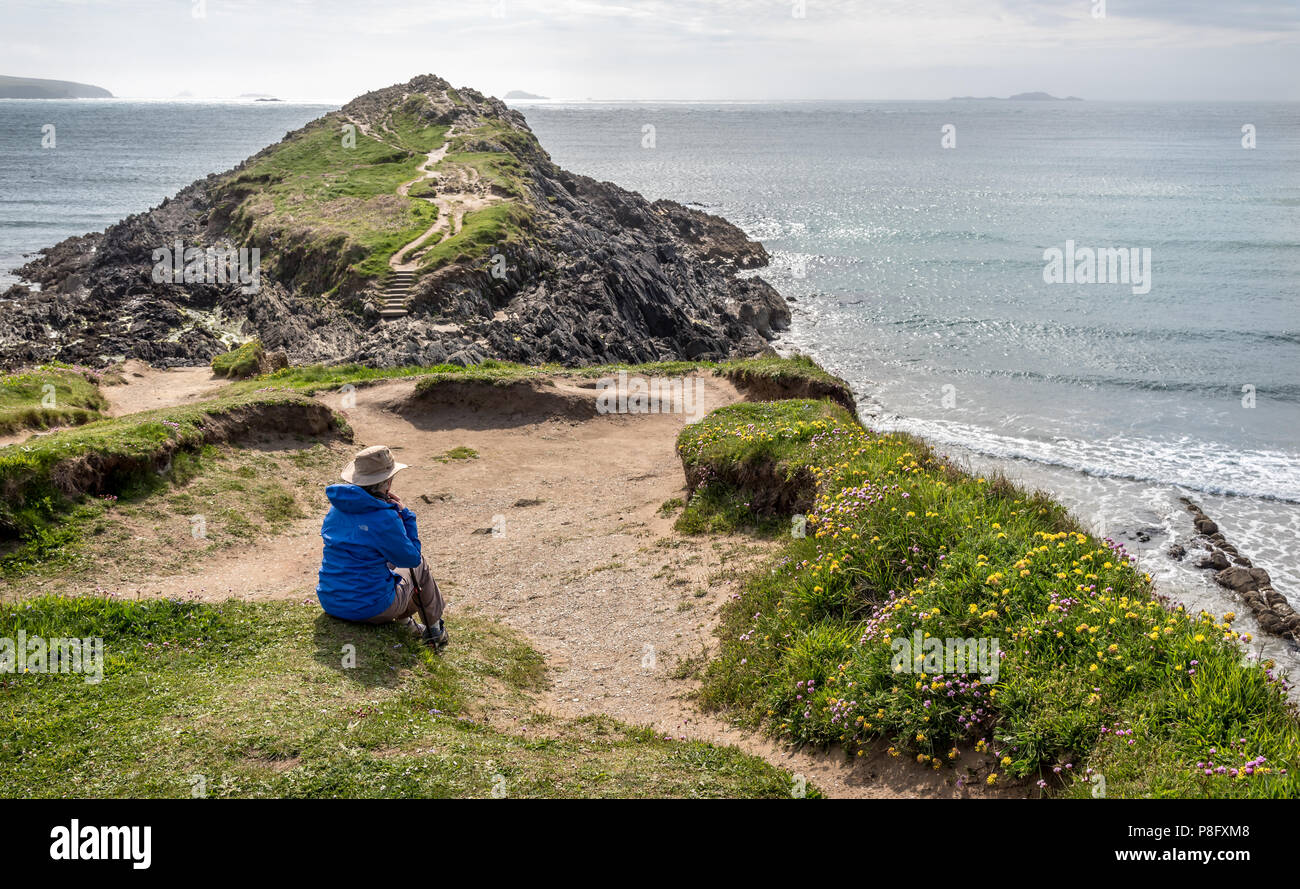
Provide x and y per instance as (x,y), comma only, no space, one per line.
(332,50)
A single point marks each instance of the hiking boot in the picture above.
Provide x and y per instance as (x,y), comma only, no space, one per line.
(436,636)
(415,626)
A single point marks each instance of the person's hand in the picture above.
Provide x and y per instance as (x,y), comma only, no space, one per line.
(393,498)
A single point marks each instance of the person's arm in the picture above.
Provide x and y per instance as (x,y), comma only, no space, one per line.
(398,540)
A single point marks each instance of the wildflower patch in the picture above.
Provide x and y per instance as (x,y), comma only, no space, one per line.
(1089,678)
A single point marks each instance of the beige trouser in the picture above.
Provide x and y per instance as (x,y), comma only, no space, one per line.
(404,604)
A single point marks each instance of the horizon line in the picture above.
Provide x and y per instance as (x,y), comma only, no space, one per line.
(270,99)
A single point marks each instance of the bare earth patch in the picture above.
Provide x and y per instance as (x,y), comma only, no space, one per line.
(147,387)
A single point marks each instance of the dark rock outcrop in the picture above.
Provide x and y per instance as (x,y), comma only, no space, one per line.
(1235,572)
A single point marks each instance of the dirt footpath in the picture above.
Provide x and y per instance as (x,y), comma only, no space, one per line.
(556,530)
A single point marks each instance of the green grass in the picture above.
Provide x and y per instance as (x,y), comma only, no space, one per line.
(497,153)
(332,212)
(1096,673)
(49,395)
(149,529)
(457,453)
(755,480)
(798,375)
(773,367)
(788,434)
(720,508)
(279,700)
(670,506)
(241,362)
(495,228)
(408,130)
(42,481)
(309,379)
(497,167)
(496,137)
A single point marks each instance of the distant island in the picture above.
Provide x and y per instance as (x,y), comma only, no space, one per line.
(1018,97)
(520,94)
(36,88)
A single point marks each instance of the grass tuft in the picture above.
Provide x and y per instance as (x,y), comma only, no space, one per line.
(241,362)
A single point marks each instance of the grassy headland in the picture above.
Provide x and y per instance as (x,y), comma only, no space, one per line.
(1096,679)
(332,208)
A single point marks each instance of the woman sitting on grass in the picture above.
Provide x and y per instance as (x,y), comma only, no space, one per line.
(372,570)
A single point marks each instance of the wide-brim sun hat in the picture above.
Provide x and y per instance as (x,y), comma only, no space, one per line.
(371,466)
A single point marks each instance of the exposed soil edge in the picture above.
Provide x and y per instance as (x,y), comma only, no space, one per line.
(761,387)
(93,473)
(770,488)
(526,399)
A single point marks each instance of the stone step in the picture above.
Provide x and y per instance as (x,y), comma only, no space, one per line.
(396,295)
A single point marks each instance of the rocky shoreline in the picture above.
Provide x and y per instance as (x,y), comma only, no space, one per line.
(598,273)
(1237,573)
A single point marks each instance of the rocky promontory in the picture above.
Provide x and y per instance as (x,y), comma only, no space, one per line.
(508,256)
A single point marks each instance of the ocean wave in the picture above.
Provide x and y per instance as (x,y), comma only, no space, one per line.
(1018,328)
(1206,467)
(1264,390)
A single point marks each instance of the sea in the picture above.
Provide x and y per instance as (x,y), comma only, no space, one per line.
(916,242)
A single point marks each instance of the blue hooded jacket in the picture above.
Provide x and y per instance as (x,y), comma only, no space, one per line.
(362,535)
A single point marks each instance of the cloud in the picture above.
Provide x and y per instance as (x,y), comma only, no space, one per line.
(333,49)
